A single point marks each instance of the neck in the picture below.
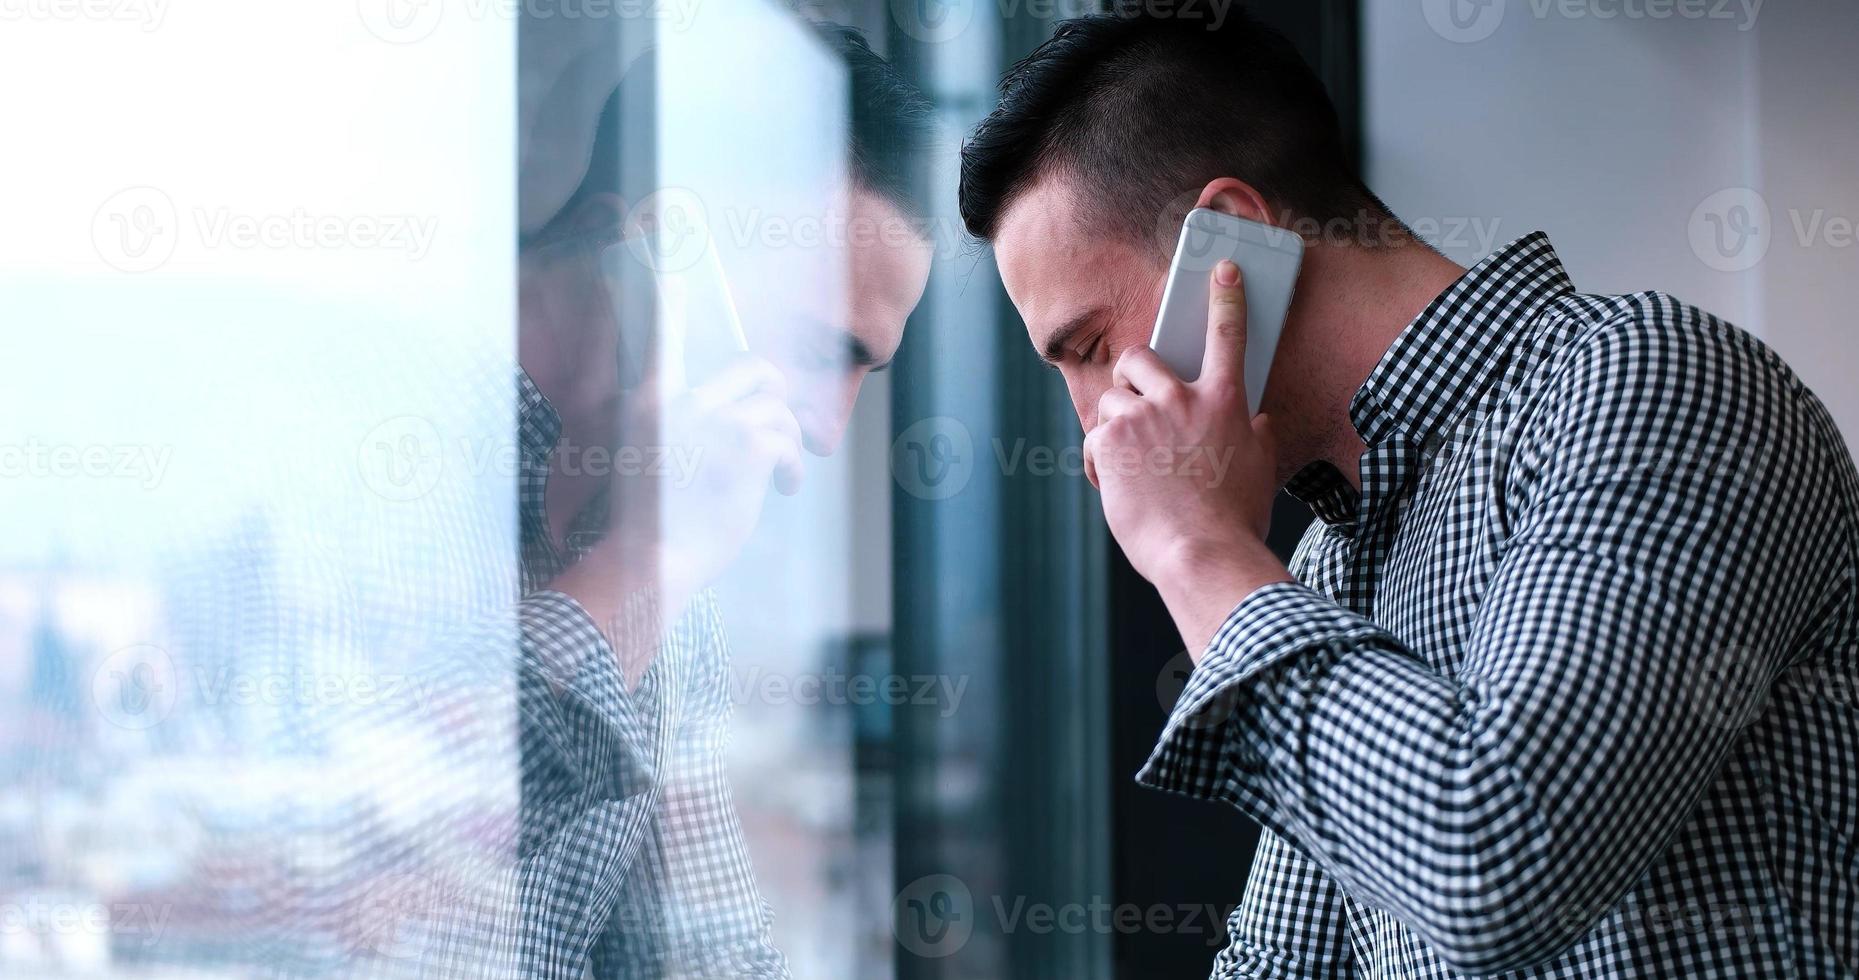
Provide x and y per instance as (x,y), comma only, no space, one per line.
(1361,300)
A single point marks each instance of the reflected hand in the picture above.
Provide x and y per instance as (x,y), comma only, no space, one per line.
(687,493)
(722,443)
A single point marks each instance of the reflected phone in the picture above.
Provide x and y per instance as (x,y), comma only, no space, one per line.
(675,305)
(1268,260)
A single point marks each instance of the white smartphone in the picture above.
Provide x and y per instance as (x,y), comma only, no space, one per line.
(677,301)
(1268,260)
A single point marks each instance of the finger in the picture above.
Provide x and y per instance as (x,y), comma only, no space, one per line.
(1115,402)
(781,436)
(787,469)
(764,411)
(1142,370)
(1224,362)
(745,377)
(1090,459)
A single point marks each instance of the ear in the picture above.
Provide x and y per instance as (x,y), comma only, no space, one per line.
(1233,196)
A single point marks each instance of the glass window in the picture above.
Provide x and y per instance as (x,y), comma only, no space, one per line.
(517,489)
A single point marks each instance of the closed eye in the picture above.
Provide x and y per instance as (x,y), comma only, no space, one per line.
(1060,343)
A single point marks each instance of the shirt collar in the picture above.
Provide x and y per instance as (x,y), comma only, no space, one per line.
(1435,370)
(1460,344)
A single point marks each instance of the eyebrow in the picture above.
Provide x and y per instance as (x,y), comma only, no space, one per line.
(1054,349)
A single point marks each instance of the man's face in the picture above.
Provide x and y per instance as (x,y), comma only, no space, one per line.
(1085,297)
(825,340)
(827,352)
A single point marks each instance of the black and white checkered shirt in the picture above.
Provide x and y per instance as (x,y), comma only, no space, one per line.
(631,853)
(1567,690)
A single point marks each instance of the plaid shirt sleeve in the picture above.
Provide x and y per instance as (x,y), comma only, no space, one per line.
(1550,770)
(718,923)
(1290,923)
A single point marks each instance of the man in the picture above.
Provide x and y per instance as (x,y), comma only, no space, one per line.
(1551,686)
(632,862)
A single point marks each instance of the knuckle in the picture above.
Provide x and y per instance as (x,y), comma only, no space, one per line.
(764,372)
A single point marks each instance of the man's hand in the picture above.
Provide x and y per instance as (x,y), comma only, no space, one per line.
(716,448)
(1187,478)
(681,511)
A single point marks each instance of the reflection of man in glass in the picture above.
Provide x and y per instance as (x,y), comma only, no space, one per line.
(632,856)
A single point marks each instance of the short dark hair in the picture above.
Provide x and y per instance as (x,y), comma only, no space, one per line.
(1144,109)
(892,127)
(892,123)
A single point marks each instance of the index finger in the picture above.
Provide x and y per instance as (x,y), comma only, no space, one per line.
(1224,362)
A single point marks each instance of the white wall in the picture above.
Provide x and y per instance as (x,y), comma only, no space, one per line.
(1617,126)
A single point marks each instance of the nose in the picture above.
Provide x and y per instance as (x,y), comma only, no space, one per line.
(824,416)
(820,441)
(821,431)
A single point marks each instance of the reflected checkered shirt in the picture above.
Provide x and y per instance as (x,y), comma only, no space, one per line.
(1567,689)
(632,858)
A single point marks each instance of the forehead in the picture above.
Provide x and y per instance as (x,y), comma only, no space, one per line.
(862,259)
(888,266)
(1055,266)
(887,252)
